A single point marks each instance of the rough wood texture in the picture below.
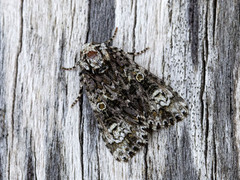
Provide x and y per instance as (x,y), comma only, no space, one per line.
(194,47)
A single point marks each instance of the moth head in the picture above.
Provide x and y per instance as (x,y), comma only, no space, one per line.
(94,57)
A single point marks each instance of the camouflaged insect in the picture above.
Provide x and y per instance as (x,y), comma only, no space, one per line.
(127,100)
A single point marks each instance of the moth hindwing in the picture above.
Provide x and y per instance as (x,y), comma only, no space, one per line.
(127,100)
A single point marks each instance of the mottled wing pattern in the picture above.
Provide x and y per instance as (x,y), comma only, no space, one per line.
(128,102)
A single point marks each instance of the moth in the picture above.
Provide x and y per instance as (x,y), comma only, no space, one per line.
(127,100)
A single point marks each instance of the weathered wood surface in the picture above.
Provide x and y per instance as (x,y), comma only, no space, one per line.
(194,47)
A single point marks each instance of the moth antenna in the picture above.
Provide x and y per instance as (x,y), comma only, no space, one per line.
(138,53)
(69,69)
(114,35)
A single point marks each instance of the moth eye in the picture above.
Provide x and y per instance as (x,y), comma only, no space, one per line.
(92,54)
(139,77)
(101,106)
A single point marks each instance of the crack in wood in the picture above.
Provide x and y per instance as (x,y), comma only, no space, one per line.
(80,130)
(146,161)
(16,66)
(214,18)
(15,79)
(193,21)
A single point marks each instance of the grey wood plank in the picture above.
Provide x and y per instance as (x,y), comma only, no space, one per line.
(194,47)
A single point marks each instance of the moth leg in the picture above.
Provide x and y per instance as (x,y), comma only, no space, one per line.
(114,35)
(78,97)
(69,69)
(138,53)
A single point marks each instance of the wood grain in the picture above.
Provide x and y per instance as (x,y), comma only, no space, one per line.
(194,47)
